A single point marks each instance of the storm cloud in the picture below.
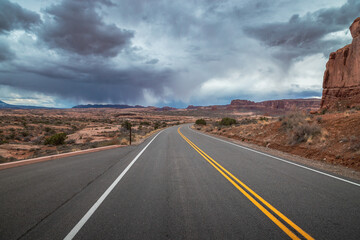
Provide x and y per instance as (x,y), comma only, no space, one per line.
(13,16)
(81,83)
(304,35)
(77,27)
(152,52)
(5,53)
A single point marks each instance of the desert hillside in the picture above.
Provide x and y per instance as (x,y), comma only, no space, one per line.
(29,133)
(332,137)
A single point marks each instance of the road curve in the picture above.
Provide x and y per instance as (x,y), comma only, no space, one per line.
(179,184)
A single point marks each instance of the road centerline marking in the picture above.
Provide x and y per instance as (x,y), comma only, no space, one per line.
(279,159)
(91,211)
(228,176)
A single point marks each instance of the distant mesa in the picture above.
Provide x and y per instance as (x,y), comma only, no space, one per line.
(341,84)
(192,107)
(271,106)
(118,106)
(282,105)
(166,108)
(4,105)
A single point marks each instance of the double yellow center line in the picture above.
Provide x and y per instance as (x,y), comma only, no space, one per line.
(255,198)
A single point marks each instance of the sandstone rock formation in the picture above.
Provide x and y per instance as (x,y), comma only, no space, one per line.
(284,104)
(268,107)
(293,104)
(341,85)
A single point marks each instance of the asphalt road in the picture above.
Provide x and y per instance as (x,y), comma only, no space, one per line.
(176,187)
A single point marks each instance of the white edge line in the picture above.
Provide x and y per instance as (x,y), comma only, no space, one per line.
(280,159)
(91,211)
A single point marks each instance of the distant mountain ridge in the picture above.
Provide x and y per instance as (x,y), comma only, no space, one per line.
(4,105)
(119,106)
(311,104)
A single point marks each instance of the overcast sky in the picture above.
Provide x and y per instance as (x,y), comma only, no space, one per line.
(151,52)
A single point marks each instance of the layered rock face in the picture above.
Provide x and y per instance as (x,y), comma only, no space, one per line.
(284,104)
(341,85)
(293,104)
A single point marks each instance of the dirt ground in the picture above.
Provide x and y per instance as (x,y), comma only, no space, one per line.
(329,138)
(332,138)
(23,133)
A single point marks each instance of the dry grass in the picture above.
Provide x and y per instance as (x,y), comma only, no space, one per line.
(299,128)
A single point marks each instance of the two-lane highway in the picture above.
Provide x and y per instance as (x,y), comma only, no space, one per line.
(179,184)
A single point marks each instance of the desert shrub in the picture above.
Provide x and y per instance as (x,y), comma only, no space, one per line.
(264,119)
(11,136)
(302,133)
(24,134)
(127,125)
(107,128)
(200,121)
(354,144)
(156,125)
(47,129)
(3,141)
(298,129)
(247,121)
(227,121)
(323,111)
(319,119)
(292,120)
(56,139)
(145,123)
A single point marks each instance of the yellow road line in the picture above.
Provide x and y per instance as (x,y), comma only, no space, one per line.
(222,170)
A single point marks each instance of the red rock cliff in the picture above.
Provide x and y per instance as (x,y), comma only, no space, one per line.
(284,104)
(341,85)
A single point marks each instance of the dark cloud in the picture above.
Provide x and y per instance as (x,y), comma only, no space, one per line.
(181,50)
(78,27)
(302,36)
(90,82)
(5,53)
(13,16)
(152,61)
